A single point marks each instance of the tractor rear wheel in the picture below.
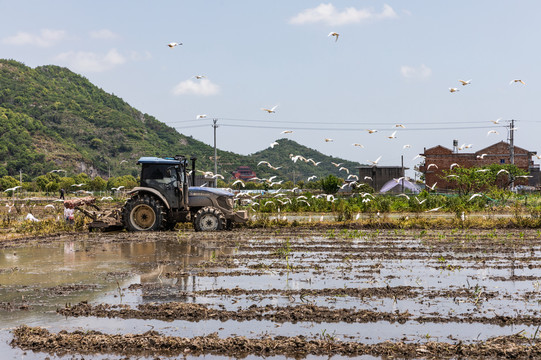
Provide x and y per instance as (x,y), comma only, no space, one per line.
(143,213)
(209,219)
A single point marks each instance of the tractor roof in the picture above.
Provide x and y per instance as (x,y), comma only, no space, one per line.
(157,160)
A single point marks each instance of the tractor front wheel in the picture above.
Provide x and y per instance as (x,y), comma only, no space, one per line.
(143,213)
(209,219)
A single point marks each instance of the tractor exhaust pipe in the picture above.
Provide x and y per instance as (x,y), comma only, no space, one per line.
(193,158)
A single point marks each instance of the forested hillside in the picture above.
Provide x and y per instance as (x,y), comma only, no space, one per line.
(52,118)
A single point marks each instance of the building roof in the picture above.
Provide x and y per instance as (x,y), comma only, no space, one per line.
(517,149)
(157,160)
(439,149)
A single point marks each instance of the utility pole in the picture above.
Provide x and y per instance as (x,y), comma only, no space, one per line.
(512,147)
(215,126)
(403,173)
(512,141)
(21,177)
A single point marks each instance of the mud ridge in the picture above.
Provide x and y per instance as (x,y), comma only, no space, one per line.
(152,343)
(293,314)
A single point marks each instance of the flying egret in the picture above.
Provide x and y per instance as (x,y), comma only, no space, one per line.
(453,165)
(465,82)
(517,81)
(344,168)
(239,181)
(375,162)
(13,188)
(358,145)
(335,34)
(202,116)
(392,136)
(311,178)
(497,121)
(407,146)
(453,90)
(482,156)
(433,186)
(271,110)
(492,132)
(199,77)
(431,165)
(367,178)
(502,171)
(273,144)
(399,126)
(404,195)
(371,131)
(329,140)
(435,209)
(335,164)
(420,201)
(286,132)
(173,44)
(78,185)
(474,196)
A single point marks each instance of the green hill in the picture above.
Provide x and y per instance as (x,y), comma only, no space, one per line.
(52,118)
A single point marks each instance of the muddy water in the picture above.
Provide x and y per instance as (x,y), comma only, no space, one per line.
(459,286)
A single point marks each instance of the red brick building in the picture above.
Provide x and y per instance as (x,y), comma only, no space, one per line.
(243,173)
(498,153)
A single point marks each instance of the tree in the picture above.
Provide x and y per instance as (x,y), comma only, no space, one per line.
(477,179)
(7,182)
(331,184)
(97,184)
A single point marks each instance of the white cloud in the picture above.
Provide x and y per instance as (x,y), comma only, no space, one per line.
(202,87)
(328,14)
(46,38)
(420,72)
(91,62)
(104,34)
(137,56)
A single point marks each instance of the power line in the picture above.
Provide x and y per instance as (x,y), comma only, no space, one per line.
(357,129)
(327,122)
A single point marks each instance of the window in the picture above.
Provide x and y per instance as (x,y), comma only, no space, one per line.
(502,161)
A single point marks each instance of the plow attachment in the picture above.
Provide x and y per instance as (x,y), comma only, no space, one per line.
(101,220)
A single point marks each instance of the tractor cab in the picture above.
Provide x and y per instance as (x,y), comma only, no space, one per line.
(166,176)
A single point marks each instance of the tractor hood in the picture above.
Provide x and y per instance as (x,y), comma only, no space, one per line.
(196,190)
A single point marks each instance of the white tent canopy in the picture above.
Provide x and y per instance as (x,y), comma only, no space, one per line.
(391,184)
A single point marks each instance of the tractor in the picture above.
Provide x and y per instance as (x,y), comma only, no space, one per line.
(164,198)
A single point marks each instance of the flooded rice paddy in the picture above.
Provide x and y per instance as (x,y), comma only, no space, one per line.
(289,292)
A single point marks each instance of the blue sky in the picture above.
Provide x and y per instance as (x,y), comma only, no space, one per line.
(393,63)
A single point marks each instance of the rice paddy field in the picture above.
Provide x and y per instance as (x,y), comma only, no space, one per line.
(285,292)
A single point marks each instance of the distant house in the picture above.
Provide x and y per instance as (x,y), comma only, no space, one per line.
(377,176)
(243,173)
(499,153)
